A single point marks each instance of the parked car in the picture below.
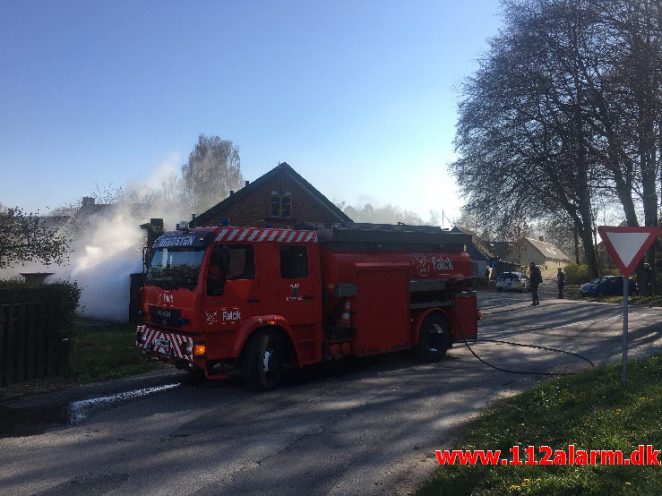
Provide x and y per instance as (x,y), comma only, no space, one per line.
(512,281)
(607,286)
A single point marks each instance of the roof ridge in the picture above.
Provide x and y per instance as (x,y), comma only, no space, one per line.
(251,186)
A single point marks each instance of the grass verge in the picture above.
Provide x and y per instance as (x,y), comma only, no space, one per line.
(572,293)
(591,410)
(100,353)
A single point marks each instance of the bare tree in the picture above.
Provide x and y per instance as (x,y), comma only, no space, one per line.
(212,171)
(521,136)
(561,231)
(469,221)
(564,113)
(637,49)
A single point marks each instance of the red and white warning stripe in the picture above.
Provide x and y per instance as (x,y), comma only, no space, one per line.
(265,234)
(165,343)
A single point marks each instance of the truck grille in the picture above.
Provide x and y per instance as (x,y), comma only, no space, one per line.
(170,317)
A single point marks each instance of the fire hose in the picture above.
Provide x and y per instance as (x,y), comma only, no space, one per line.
(527,372)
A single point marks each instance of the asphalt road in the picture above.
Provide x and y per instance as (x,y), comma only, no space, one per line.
(371,428)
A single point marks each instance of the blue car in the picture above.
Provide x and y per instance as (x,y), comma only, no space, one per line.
(607,286)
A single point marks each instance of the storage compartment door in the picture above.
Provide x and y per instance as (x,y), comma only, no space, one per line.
(466,316)
(381,310)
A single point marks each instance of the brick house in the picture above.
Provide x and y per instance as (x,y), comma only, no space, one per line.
(279,198)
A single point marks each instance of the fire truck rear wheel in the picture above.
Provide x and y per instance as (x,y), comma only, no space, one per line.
(263,361)
(434,339)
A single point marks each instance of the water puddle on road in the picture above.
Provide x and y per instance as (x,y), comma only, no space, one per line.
(80,410)
(27,421)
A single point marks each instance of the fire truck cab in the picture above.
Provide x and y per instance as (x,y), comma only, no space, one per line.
(260,300)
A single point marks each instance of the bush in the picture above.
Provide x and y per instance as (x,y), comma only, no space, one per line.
(613,271)
(576,273)
(13,283)
(68,296)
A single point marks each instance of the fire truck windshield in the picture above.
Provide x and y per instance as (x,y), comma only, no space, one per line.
(175,267)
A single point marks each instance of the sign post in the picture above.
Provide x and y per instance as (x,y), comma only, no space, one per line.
(626,246)
(626,289)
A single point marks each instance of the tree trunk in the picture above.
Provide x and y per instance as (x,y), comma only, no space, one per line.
(584,191)
(586,234)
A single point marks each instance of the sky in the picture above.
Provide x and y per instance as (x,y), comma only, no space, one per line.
(360,97)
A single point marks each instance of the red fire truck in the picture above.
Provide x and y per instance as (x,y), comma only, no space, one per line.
(260,300)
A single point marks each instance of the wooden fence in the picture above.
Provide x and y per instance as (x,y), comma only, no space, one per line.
(32,342)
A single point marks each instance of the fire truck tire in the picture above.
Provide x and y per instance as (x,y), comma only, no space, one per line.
(263,360)
(434,338)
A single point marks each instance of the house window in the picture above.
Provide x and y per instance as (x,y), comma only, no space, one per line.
(286,205)
(281,204)
(275,204)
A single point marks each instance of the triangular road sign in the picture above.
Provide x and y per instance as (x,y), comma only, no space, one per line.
(627,245)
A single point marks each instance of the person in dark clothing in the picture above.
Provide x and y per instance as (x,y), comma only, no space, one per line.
(560,281)
(535,278)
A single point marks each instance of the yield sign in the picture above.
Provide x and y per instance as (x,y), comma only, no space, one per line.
(627,245)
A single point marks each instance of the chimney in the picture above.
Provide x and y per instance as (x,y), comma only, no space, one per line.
(247,183)
(541,238)
(231,192)
(88,201)
(154,229)
(156,224)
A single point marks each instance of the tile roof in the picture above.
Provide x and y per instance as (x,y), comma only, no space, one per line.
(478,248)
(285,168)
(548,250)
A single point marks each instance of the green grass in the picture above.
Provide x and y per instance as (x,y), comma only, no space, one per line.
(572,293)
(591,410)
(651,301)
(100,353)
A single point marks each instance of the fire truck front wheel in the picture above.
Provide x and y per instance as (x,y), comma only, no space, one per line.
(264,360)
(434,338)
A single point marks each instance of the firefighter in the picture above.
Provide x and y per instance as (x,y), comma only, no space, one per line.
(536,278)
(560,281)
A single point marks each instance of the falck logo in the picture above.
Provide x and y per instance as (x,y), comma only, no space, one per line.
(424,265)
(211,317)
(223,316)
(231,314)
(294,292)
(442,263)
(165,297)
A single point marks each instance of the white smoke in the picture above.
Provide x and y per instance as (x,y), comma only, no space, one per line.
(161,193)
(103,262)
(107,245)
(106,248)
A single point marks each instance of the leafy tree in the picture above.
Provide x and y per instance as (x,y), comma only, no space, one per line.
(212,171)
(25,237)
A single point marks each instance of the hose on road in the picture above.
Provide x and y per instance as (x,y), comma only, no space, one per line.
(526,372)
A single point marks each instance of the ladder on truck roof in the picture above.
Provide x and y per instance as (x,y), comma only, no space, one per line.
(389,237)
